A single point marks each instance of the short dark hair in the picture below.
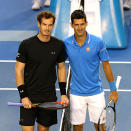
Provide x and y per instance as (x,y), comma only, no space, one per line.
(46,15)
(78,14)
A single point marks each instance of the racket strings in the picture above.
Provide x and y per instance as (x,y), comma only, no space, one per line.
(109,118)
(53,105)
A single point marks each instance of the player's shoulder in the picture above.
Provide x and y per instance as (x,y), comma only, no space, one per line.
(57,40)
(98,42)
(29,40)
(95,38)
(68,39)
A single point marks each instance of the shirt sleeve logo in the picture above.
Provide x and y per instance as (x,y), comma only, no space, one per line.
(18,54)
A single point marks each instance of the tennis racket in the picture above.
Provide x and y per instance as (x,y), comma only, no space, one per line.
(46,105)
(65,124)
(108,115)
(107,118)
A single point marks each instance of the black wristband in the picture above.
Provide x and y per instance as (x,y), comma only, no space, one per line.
(62,86)
(22,91)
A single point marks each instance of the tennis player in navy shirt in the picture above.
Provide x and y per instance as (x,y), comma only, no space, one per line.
(35,73)
(85,52)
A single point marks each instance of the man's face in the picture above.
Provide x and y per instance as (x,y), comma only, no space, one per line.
(46,26)
(79,26)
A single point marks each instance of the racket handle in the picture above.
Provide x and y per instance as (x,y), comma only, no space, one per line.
(18,104)
(14,104)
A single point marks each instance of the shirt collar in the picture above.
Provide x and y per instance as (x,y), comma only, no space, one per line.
(87,41)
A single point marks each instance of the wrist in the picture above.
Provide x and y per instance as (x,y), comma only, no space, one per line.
(22,91)
(112,86)
(62,86)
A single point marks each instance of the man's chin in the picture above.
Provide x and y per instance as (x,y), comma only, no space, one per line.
(47,35)
(80,34)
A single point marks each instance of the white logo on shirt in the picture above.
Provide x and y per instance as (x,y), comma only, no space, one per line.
(52,53)
(18,54)
(21,91)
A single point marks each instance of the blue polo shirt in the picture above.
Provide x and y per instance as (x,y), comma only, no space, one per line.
(84,62)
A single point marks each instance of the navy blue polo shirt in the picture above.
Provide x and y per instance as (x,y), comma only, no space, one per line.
(40,60)
(85,61)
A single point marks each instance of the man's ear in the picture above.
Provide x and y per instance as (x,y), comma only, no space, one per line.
(71,24)
(87,23)
(38,23)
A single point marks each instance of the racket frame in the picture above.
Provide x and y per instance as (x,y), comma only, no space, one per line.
(63,105)
(114,111)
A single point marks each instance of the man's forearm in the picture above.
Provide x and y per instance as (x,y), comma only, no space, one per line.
(62,74)
(109,75)
(62,79)
(108,71)
(19,78)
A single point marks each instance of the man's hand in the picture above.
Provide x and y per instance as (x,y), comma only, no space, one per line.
(113,96)
(26,102)
(64,99)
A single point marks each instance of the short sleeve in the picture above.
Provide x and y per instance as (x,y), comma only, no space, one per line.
(62,55)
(66,54)
(21,55)
(103,54)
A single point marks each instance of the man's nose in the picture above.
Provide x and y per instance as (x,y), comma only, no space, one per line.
(47,26)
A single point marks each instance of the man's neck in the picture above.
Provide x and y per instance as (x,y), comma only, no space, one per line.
(80,39)
(44,38)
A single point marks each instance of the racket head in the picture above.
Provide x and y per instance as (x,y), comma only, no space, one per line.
(52,105)
(108,118)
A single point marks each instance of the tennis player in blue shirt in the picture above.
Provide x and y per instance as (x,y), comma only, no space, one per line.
(85,52)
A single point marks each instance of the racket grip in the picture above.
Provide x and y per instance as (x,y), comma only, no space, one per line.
(14,104)
(18,104)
